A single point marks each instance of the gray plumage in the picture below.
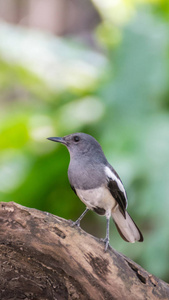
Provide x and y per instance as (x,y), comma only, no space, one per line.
(97,184)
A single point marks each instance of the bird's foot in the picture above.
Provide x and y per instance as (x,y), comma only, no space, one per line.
(106,241)
(76,223)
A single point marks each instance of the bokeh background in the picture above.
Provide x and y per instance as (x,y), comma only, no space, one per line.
(100,67)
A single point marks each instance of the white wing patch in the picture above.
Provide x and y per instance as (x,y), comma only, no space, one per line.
(112,176)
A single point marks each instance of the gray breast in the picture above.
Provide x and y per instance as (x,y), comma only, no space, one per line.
(86,175)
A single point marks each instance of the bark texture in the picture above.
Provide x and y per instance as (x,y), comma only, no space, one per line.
(43,257)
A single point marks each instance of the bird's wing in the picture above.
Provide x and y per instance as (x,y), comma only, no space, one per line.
(116,188)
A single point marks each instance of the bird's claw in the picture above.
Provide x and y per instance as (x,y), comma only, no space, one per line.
(75,224)
(106,242)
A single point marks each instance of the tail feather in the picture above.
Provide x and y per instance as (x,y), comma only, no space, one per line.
(127,227)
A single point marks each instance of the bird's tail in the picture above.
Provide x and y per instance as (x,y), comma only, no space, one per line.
(126,227)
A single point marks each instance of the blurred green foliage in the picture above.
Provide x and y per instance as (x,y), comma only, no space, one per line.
(55,86)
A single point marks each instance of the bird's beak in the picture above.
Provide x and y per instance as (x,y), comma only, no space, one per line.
(57,139)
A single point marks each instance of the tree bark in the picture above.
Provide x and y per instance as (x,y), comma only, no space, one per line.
(43,257)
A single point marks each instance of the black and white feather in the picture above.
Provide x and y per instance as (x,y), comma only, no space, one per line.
(124,223)
(116,188)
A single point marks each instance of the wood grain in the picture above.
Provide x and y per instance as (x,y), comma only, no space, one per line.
(43,257)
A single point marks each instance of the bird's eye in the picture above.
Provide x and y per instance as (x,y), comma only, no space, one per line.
(76,138)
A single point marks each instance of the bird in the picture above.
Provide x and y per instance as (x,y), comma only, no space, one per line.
(98,185)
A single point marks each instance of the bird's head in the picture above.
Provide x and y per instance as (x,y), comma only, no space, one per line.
(79,143)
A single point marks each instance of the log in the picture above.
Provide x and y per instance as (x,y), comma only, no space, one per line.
(43,257)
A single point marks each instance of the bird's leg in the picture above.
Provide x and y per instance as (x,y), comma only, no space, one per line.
(106,240)
(77,222)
